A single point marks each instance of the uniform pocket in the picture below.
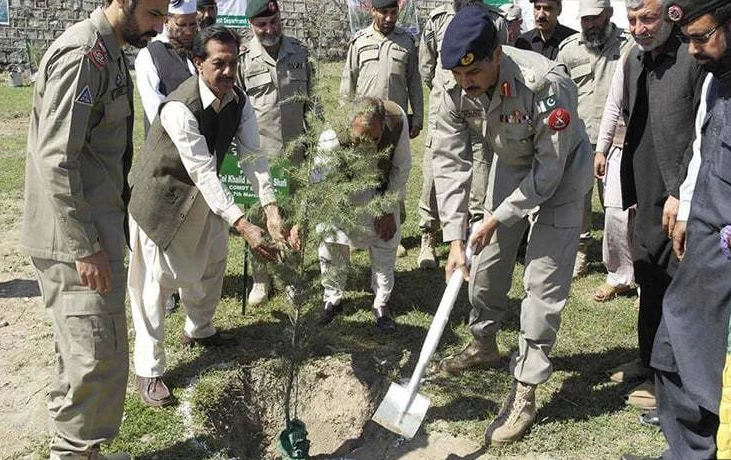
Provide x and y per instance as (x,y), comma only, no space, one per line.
(580,71)
(117,109)
(568,215)
(96,324)
(399,61)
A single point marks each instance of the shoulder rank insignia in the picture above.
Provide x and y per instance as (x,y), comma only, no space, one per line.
(98,54)
(506,89)
(544,105)
(559,119)
(84,97)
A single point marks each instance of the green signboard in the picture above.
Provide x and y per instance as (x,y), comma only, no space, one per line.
(240,187)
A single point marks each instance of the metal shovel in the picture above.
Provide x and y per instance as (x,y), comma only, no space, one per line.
(403,409)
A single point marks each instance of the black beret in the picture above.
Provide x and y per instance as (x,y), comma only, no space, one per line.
(201,3)
(682,12)
(470,37)
(384,3)
(257,8)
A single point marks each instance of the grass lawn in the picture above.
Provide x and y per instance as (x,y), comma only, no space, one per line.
(581,414)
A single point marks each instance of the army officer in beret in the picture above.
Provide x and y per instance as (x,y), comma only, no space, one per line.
(525,107)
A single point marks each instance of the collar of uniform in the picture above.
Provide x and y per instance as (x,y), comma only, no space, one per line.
(107,34)
(380,34)
(208,98)
(256,49)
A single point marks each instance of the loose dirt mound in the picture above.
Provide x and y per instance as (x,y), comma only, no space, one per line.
(333,403)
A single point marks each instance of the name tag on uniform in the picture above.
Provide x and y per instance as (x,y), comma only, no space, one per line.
(471,113)
(298,65)
(119,92)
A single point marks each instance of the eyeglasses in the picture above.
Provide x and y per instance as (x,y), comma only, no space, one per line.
(699,39)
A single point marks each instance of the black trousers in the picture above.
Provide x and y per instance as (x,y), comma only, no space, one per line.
(653,280)
(689,429)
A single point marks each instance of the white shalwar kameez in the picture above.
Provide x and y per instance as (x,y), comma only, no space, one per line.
(194,264)
(334,251)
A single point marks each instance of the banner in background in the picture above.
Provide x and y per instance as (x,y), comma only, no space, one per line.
(4,13)
(240,187)
(231,13)
(360,17)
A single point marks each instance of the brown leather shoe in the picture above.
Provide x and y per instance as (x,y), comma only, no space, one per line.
(154,392)
(479,353)
(219,339)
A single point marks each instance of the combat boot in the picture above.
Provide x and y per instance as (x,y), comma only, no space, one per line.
(427,254)
(481,352)
(516,416)
(260,288)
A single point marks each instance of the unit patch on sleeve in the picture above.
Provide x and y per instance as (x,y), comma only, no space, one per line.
(559,119)
(98,54)
(84,97)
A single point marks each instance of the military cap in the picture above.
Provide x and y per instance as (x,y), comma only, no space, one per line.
(470,36)
(681,12)
(260,8)
(384,3)
(593,7)
(203,3)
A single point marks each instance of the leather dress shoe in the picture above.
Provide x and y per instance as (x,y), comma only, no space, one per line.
(218,339)
(650,418)
(328,312)
(637,457)
(154,392)
(384,321)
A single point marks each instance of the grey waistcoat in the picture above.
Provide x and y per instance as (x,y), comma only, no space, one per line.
(162,190)
(171,69)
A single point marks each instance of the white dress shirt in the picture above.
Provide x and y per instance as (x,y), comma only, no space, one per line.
(688,185)
(148,79)
(182,127)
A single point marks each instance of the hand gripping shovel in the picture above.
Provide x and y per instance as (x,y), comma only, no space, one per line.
(403,409)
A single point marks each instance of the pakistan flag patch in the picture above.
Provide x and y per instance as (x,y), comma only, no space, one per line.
(549,103)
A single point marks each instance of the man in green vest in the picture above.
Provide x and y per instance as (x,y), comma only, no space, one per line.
(180,212)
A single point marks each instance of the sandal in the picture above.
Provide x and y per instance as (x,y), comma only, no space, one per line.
(606,292)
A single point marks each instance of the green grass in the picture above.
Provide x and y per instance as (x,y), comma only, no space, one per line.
(581,415)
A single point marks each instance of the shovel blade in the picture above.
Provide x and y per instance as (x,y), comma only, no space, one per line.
(390,414)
